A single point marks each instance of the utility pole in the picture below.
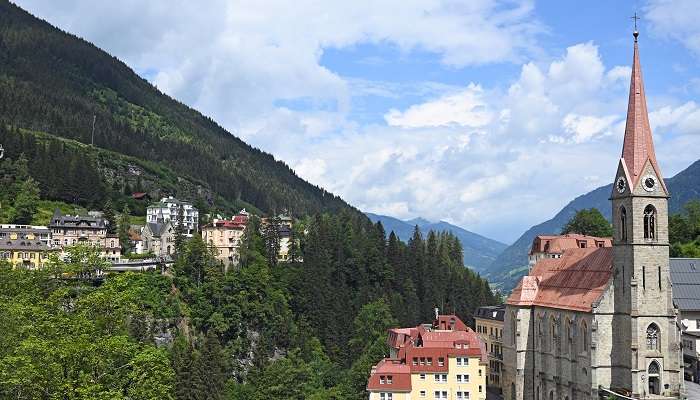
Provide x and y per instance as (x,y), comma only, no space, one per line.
(92,139)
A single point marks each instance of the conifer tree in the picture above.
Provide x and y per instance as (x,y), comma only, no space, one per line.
(123,230)
(180,230)
(109,215)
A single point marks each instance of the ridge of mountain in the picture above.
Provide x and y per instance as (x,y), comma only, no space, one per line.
(507,269)
(479,251)
(57,83)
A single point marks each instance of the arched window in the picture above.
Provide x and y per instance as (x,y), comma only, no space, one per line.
(551,395)
(652,337)
(654,368)
(649,222)
(553,334)
(623,224)
(584,336)
(514,329)
(569,336)
(512,391)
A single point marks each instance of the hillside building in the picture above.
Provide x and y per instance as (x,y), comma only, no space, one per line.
(158,238)
(167,211)
(224,237)
(600,319)
(442,360)
(69,230)
(25,246)
(489,326)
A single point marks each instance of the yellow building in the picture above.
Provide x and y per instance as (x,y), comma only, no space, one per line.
(224,238)
(445,360)
(24,247)
(489,327)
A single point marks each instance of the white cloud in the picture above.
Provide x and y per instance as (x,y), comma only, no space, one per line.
(466,108)
(677,19)
(583,128)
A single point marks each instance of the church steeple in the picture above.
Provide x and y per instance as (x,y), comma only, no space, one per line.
(638,145)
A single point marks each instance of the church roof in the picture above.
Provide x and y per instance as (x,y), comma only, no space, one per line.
(559,243)
(576,281)
(638,145)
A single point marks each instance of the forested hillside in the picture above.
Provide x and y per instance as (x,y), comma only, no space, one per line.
(54,82)
(261,331)
(511,265)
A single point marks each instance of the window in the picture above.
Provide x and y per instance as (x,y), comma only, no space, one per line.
(652,337)
(386,396)
(650,222)
(430,361)
(423,393)
(480,371)
(441,361)
(513,328)
(382,380)
(415,360)
(389,380)
(440,394)
(462,395)
(584,337)
(653,368)
(462,361)
(479,388)
(442,378)
(623,224)
(462,378)
(422,377)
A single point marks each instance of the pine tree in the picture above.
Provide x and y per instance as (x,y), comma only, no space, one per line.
(123,230)
(180,230)
(26,202)
(109,215)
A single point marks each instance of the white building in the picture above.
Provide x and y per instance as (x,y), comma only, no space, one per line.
(167,210)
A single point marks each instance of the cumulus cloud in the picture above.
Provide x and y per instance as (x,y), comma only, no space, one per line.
(466,108)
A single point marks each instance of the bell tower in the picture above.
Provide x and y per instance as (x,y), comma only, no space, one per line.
(646,349)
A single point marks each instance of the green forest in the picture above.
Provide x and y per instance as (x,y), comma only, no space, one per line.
(260,331)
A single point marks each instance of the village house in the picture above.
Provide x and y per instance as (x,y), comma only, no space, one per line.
(25,246)
(442,360)
(224,237)
(167,211)
(69,230)
(488,321)
(553,246)
(158,238)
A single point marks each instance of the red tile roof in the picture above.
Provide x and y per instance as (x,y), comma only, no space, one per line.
(390,370)
(575,281)
(559,243)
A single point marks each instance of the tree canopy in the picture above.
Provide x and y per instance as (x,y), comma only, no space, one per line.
(588,222)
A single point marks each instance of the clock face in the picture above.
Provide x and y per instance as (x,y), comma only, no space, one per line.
(621,184)
(649,183)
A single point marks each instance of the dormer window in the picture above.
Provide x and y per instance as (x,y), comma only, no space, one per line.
(441,361)
(389,379)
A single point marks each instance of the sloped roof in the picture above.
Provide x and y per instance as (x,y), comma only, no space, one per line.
(495,313)
(559,243)
(575,281)
(400,375)
(685,277)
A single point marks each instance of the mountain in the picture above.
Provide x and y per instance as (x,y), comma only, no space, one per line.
(58,86)
(511,264)
(479,251)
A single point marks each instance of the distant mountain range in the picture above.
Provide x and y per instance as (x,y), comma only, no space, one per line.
(507,269)
(479,251)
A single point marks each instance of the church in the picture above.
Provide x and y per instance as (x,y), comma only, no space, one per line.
(598,320)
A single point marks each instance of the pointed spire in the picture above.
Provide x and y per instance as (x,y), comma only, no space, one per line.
(638,146)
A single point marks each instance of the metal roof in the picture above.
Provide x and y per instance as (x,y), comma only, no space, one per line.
(685,277)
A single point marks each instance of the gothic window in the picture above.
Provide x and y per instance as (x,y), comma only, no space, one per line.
(553,334)
(570,336)
(652,337)
(584,337)
(650,222)
(514,329)
(623,224)
(654,368)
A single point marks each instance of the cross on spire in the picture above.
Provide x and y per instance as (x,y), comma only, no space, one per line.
(636,32)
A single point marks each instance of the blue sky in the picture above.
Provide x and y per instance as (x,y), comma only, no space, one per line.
(488,114)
